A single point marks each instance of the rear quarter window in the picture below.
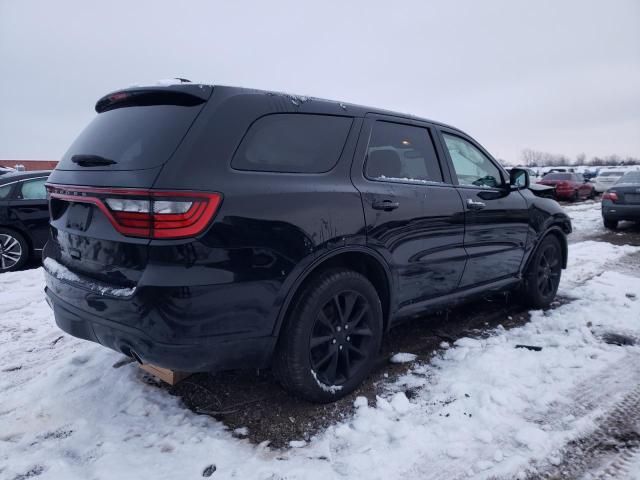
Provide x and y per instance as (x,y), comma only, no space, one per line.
(5,190)
(293,143)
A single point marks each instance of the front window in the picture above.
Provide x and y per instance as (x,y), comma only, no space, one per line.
(471,165)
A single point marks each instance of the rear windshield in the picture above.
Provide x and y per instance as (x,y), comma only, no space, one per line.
(293,143)
(631,177)
(134,137)
(558,176)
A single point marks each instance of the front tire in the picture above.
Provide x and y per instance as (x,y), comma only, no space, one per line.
(331,337)
(543,274)
(14,250)
(610,224)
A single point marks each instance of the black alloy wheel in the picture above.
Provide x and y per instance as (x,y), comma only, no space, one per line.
(548,276)
(542,276)
(331,336)
(341,337)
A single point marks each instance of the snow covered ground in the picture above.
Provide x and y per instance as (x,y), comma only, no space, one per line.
(481,408)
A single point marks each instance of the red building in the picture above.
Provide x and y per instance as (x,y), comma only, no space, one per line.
(30,164)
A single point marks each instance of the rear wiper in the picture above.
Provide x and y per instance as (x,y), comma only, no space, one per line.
(91,160)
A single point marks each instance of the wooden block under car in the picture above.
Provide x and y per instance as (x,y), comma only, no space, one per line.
(168,376)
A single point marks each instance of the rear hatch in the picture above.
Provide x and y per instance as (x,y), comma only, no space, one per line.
(103,211)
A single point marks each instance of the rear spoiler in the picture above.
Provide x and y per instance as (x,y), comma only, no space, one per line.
(186,95)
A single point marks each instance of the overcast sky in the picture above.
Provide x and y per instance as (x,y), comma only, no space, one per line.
(561,76)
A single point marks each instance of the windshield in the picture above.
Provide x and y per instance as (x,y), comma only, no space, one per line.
(630,177)
(132,138)
(609,174)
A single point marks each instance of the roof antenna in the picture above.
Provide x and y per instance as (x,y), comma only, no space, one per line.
(183,80)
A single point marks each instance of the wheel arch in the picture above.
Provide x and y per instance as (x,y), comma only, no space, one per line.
(557,231)
(360,259)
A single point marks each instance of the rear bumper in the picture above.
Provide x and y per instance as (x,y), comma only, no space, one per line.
(615,211)
(151,327)
(565,193)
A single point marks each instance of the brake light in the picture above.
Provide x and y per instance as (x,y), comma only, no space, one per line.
(147,213)
(613,196)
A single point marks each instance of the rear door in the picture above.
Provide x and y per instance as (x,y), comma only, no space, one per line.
(414,216)
(31,207)
(496,218)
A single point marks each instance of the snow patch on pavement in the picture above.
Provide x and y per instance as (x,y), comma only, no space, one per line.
(403,357)
(586,219)
(479,409)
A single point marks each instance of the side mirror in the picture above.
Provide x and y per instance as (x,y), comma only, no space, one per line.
(519,178)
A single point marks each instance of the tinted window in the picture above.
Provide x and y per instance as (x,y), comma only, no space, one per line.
(471,165)
(134,137)
(33,189)
(401,152)
(631,177)
(5,190)
(610,174)
(558,176)
(293,143)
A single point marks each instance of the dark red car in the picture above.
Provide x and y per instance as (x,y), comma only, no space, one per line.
(569,186)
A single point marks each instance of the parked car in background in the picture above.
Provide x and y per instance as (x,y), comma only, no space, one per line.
(5,170)
(606,178)
(204,228)
(569,186)
(24,217)
(622,201)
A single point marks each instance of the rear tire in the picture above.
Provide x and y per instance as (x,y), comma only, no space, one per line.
(610,224)
(542,277)
(14,250)
(331,337)
(576,196)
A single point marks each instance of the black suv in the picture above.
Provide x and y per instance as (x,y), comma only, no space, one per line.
(202,228)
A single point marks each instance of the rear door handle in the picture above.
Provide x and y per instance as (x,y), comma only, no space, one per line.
(386,205)
(473,205)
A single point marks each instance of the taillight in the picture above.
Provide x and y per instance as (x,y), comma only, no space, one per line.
(613,196)
(147,213)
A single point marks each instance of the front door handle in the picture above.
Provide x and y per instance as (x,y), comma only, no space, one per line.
(473,205)
(386,205)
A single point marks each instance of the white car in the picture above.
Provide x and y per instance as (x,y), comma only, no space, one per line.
(606,178)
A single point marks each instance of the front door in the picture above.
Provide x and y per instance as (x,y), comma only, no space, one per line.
(414,216)
(496,218)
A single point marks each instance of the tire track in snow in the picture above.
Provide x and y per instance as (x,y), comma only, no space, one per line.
(608,450)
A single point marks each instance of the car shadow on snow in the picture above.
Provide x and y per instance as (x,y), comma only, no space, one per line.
(254,406)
